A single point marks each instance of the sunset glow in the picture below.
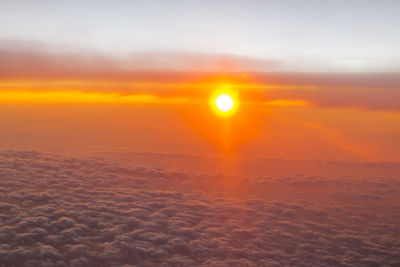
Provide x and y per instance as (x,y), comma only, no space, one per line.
(225,101)
(199,133)
(77,97)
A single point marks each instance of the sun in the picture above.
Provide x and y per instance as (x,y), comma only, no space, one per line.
(224,102)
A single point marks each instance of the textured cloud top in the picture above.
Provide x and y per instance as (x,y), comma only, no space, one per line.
(63,211)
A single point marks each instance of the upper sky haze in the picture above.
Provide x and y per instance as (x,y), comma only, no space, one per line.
(330,36)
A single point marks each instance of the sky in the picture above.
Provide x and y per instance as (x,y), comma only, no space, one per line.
(313,80)
(334,36)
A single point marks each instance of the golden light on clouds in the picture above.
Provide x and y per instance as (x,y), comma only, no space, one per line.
(225,111)
(32,97)
(230,113)
(285,102)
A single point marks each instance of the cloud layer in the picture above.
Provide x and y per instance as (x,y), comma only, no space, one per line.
(25,66)
(59,211)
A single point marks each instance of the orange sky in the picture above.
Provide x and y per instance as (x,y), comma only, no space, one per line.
(315,119)
(87,102)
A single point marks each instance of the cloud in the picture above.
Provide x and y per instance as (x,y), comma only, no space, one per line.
(31,67)
(27,60)
(371,91)
(87,212)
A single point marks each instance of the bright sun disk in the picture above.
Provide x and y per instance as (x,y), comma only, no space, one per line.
(224,102)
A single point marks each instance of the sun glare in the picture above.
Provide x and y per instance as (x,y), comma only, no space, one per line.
(224,102)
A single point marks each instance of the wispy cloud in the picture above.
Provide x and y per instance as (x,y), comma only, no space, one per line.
(83,97)
(155,77)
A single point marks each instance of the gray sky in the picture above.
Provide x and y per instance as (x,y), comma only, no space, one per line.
(347,35)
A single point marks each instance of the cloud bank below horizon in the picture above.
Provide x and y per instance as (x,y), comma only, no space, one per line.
(70,211)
